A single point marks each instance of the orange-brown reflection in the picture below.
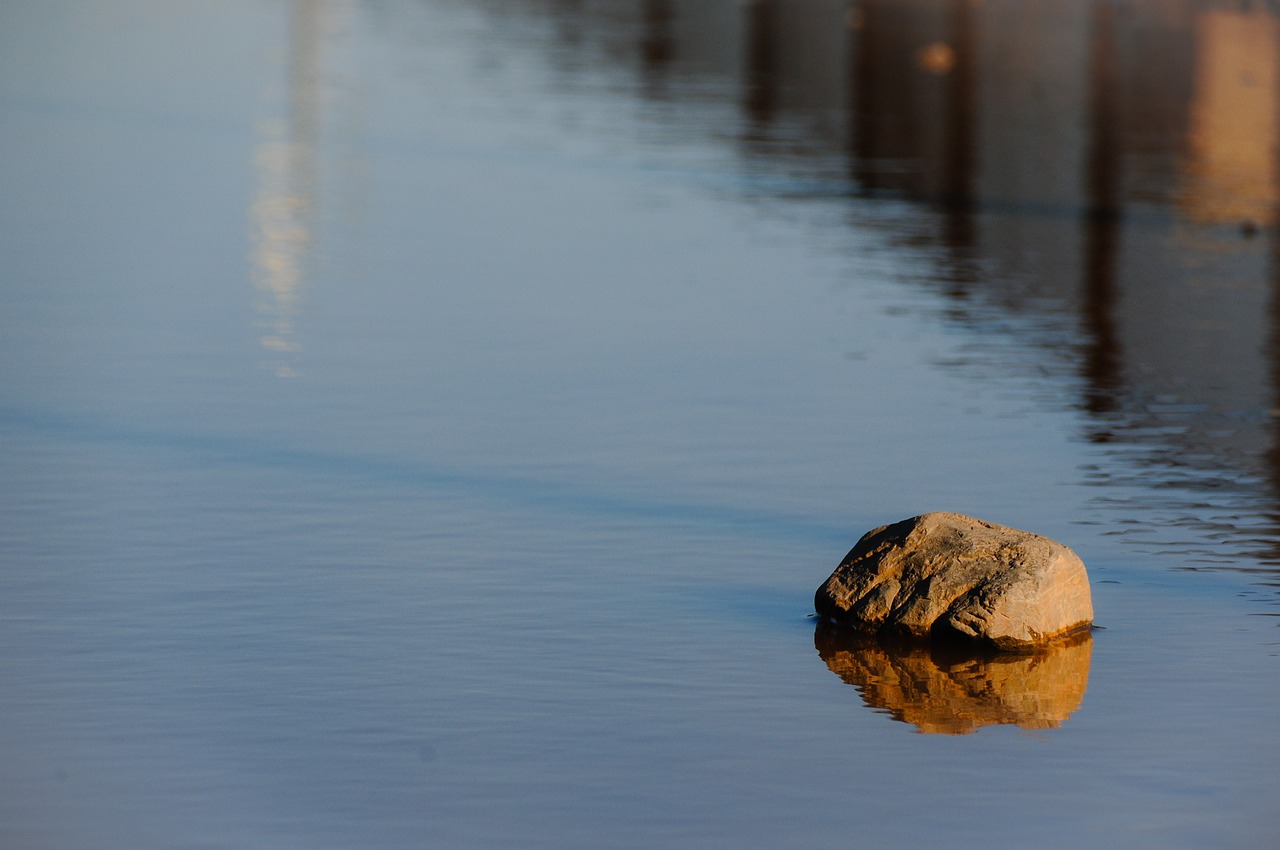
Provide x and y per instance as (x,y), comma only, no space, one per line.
(951,690)
(1235,117)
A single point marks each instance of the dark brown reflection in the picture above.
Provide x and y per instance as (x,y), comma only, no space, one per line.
(761,98)
(950,690)
(1102,357)
(1269,540)
(899,99)
(960,65)
(657,46)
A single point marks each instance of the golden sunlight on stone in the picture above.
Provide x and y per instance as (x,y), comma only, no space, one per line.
(950,690)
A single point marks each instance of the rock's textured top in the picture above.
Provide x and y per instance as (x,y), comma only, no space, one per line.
(944,574)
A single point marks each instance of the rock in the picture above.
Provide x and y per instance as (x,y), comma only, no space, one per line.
(949,575)
(950,689)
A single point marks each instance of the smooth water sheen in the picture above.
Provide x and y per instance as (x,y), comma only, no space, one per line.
(424,423)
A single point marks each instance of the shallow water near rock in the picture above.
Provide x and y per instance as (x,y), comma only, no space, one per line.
(424,422)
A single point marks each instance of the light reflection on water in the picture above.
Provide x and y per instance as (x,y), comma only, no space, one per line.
(284,212)
(652,309)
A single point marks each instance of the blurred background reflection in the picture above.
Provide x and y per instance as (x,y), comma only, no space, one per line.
(1099,182)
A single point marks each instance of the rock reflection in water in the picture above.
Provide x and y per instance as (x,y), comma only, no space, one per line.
(954,690)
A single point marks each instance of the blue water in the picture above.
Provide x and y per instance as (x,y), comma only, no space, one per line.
(424,424)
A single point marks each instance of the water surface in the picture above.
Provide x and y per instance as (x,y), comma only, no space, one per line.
(425,423)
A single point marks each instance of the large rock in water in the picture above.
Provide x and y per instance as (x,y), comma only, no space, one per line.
(949,575)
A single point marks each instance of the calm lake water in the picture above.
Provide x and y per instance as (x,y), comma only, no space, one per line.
(424,423)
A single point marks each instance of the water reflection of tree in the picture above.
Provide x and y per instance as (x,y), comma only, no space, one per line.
(1091,194)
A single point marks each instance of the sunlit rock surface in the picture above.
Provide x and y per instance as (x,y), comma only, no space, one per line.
(942,689)
(949,575)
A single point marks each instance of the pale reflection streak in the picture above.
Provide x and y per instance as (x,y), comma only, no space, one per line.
(284,209)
